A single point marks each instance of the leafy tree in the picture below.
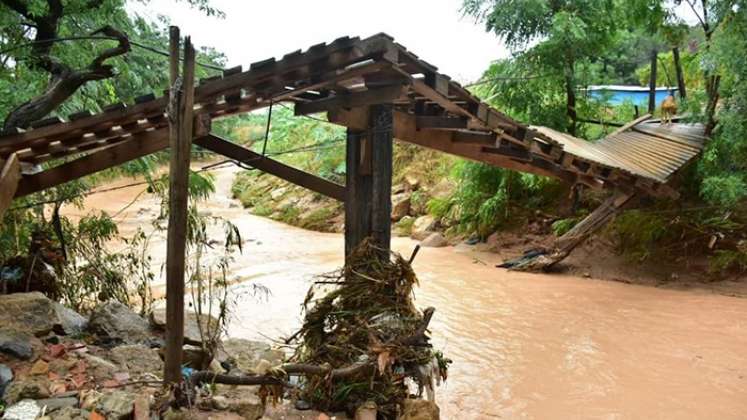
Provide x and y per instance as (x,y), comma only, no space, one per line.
(560,34)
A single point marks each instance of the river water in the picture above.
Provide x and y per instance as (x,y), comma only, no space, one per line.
(533,346)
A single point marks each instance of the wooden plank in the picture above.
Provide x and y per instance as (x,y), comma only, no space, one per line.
(9,179)
(381,135)
(358,189)
(304,179)
(474,137)
(351,100)
(629,125)
(135,147)
(180,140)
(438,122)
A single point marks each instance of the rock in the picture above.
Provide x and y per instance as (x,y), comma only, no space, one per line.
(412,182)
(191,326)
(219,402)
(422,227)
(36,314)
(27,388)
(366,411)
(100,369)
(68,321)
(16,343)
(39,368)
(434,240)
(49,405)
(6,375)
(70,413)
(117,405)
(278,192)
(416,409)
(115,321)
(400,206)
(246,354)
(23,410)
(249,407)
(194,357)
(137,359)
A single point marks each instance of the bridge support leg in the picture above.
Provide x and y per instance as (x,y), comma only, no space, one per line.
(368,186)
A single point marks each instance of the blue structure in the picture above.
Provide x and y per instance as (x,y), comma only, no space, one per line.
(618,94)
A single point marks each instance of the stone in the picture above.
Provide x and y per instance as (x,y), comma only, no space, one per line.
(246,354)
(137,359)
(249,407)
(142,407)
(23,410)
(417,409)
(400,206)
(422,227)
(36,314)
(278,192)
(27,388)
(70,413)
(16,344)
(366,411)
(6,376)
(68,321)
(49,405)
(101,369)
(434,240)
(194,357)
(219,402)
(191,327)
(39,368)
(117,405)
(412,182)
(115,321)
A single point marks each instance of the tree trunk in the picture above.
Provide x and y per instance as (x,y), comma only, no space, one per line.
(570,93)
(680,76)
(652,83)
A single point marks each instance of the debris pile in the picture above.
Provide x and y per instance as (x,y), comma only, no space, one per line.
(362,325)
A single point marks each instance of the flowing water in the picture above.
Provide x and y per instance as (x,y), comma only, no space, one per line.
(524,345)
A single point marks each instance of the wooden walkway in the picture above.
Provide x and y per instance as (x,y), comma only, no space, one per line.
(342,78)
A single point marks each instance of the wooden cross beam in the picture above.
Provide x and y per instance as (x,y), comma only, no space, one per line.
(304,179)
(9,178)
(379,95)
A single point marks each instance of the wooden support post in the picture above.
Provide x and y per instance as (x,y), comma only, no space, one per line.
(381,131)
(358,188)
(368,204)
(10,175)
(180,123)
(652,83)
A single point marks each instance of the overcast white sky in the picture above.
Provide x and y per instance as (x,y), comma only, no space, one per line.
(256,30)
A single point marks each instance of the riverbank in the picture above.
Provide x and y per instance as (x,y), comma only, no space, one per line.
(524,345)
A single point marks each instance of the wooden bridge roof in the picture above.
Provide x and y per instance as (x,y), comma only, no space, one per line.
(341,78)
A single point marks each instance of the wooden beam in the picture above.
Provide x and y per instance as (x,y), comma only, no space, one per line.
(358,187)
(381,135)
(9,178)
(438,122)
(134,147)
(273,167)
(482,138)
(180,143)
(351,100)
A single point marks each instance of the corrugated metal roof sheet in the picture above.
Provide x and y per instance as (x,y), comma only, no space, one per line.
(648,149)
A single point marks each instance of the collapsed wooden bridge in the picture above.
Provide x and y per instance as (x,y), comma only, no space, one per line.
(378,90)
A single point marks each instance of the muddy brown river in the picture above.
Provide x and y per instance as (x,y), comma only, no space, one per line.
(533,346)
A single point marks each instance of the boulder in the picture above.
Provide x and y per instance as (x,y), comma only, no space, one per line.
(366,411)
(70,413)
(33,388)
(23,410)
(400,206)
(191,326)
(247,354)
(137,359)
(6,375)
(68,321)
(434,240)
(417,409)
(50,405)
(30,312)
(117,405)
(422,227)
(16,343)
(115,321)
(249,407)
(413,183)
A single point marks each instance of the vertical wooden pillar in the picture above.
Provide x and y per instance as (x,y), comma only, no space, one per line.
(680,76)
(368,203)
(652,83)
(180,143)
(381,130)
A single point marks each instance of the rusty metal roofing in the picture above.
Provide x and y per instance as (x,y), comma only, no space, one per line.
(647,149)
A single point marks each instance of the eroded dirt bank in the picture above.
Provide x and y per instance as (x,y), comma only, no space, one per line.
(524,345)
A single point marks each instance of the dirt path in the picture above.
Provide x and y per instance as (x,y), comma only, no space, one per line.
(524,345)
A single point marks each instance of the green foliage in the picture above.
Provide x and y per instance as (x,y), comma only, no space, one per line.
(561,226)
